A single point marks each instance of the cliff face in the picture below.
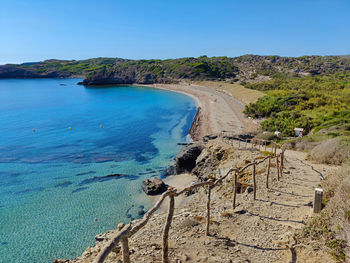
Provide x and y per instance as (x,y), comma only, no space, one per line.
(127,75)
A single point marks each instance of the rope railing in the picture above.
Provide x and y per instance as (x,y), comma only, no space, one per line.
(127,231)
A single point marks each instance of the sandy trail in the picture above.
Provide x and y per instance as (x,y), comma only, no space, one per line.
(258,231)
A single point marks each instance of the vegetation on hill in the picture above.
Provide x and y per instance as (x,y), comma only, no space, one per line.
(317,103)
(248,68)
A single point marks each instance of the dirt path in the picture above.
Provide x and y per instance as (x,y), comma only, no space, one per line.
(257,231)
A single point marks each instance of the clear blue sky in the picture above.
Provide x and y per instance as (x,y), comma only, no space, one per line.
(34,30)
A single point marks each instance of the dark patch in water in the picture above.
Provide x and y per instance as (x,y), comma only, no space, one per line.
(141,159)
(127,213)
(150,172)
(107,178)
(33,190)
(15,174)
(114,165)
(103,160)
(4,243)
(79,189)
(85,173)
(63,184)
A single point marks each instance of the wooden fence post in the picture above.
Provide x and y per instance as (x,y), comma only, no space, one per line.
(125,249)
(125,245)
(167,227)
(268,172)
(265,145)
(234,192)
(275,148)
(318,200)
(254,180)
(208,209)
(239,143)
(282,162)
(278,169)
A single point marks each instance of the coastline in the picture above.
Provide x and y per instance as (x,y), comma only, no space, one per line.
(216,110)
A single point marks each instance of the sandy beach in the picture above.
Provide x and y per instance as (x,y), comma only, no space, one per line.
(217,110)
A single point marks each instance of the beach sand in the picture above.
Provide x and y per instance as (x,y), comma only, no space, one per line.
(218,110)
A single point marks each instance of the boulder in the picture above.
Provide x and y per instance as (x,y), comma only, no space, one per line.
(153,186)
(186,159)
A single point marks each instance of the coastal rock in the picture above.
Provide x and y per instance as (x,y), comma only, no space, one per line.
(186,159)
(208,161)
(100,237)
(153,186)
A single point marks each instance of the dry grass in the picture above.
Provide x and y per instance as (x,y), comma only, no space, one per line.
(235,90)
(332,151)
(337,188)
(331,229)
(200,219)
(226,214)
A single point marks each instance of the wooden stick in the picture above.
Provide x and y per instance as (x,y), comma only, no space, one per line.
(111,244)
(208,209)
(234,192)
(275,148)
(239,143)
(281,167)
(318,200)
(254,180)
(125,249)
(268,172)
(282,162)
(278,169)
(167,227)
(189,188)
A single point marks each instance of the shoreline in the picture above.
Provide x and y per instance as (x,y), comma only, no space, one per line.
(217,111)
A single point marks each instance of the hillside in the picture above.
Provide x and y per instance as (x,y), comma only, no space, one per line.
(247,68)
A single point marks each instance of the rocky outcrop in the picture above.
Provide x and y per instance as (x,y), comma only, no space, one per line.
(124,75)
(186,159)
(194,131)
(208,161)
(153,186)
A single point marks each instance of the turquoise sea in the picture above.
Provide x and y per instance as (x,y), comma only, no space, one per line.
(59,142)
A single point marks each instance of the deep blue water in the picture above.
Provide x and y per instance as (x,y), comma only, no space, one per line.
(58,143)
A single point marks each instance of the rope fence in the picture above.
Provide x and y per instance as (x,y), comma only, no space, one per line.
(127,231)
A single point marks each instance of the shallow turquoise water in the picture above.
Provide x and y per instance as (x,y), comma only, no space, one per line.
(52,183)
